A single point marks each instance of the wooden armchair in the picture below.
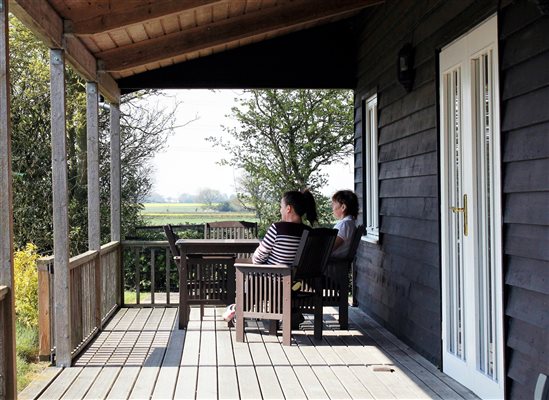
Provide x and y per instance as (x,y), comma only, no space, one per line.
(336,277)
(264,291)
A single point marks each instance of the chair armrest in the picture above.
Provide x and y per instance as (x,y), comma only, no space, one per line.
(245,267)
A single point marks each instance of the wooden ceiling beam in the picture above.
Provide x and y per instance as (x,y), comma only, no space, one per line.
(45,23)
(207,36)
(134,14)
(41,18)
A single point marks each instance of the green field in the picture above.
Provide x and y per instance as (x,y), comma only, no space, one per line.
(189,213)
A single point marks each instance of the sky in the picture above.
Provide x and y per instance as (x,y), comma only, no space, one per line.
(189,162)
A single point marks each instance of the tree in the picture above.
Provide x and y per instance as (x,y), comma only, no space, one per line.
(283,139)
(143,132)
(209,196)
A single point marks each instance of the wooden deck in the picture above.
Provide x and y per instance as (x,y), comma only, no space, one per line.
(141,355)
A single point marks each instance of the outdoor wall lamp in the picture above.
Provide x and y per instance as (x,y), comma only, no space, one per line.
(405,66)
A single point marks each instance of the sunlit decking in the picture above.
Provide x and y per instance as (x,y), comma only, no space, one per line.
(141,354)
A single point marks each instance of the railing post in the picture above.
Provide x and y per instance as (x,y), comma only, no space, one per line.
(121,283)
(98,290)
(44,316)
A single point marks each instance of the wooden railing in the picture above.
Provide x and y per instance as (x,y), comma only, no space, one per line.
(95,294)
(150,274)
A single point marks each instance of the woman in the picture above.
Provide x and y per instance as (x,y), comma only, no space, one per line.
(281,241)
(345,209)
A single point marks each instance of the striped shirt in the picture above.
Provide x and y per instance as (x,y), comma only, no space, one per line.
(280,244)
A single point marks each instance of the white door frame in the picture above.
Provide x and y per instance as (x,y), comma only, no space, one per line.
(471,247)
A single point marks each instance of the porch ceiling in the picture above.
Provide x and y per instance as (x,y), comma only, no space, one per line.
(110,39)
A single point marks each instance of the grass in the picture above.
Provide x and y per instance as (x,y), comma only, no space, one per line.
(28,366)
(189,213)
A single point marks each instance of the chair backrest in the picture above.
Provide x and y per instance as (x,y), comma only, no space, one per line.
(355,241)
(230,230)
(172,238)
(313,252)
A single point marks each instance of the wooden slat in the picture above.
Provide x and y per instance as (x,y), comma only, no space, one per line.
(388,342)
(167,377)
(124,360)
(144,384)
(188,372)
(223,31)
(63,381)
(226,366)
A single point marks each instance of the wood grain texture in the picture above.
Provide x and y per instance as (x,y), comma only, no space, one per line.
(8,385)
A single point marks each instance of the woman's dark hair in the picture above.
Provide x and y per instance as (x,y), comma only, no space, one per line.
(347,197)
(303,204)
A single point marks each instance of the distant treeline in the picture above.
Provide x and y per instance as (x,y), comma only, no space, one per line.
(206,196)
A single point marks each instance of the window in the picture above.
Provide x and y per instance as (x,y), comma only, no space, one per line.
(370,177)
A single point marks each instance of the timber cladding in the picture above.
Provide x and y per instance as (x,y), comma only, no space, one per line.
(398,280)
(524,53)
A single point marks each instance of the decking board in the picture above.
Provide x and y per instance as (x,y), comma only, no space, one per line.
(141,354)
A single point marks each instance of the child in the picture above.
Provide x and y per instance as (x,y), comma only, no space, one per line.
(345,209)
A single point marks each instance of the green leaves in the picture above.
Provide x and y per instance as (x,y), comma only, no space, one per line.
(284,138)
(144,130)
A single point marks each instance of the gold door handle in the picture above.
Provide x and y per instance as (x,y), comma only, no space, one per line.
(464,211)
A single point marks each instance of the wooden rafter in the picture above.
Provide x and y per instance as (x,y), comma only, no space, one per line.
(48,26)
(131,14)
(225,31)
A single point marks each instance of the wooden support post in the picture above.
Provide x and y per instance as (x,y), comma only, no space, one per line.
(115,173)
(94,216)
(8,384)
(60,210)
(92,117)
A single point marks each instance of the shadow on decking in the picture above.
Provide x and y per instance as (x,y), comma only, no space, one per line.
(140,354)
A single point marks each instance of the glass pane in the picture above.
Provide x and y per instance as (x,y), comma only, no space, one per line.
(455,327)
(483,90)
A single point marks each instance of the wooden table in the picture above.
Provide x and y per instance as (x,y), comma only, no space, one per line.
(205,246)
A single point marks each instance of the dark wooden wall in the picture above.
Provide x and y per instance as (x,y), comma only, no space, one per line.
(399,277)
(524,48)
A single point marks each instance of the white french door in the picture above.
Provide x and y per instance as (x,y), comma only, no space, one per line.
(472,316)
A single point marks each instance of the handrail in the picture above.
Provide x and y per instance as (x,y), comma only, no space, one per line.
(81,259)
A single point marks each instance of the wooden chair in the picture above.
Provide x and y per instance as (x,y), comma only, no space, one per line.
(210,278)
(264,291)
(335,284)
(172,238)
(230,230)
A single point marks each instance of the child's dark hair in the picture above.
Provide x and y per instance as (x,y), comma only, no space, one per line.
(303,204)
(347,197)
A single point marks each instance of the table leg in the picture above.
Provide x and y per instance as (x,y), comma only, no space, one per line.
(183,293)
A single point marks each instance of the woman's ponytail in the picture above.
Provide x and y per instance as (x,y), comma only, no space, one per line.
(303,203)
(310,207)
